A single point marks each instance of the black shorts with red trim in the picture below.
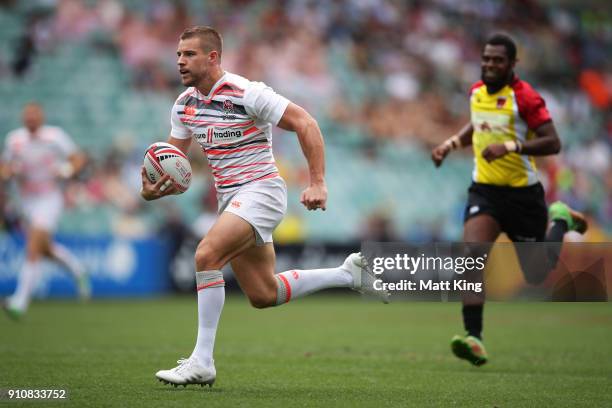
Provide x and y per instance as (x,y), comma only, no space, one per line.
(520,211)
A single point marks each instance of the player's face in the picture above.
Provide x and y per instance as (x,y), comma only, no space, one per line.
(33,117)
(192,61)
(496,67)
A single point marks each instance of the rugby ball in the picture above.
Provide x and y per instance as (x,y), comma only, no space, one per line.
(163,158)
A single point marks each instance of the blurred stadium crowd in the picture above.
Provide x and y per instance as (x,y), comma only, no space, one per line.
(385,79)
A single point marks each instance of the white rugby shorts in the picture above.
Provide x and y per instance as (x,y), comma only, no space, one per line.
(262,204)
(43,211)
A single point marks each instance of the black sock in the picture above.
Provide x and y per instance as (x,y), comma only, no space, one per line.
(557,231)
(472,319)
(555,242)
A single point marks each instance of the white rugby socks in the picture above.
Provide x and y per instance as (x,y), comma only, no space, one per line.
(291,284)
(297,283)
(65,258)
(26,283)
(211,297)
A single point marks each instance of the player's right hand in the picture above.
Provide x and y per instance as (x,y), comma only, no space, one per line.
(315,196)
(440,152)
(152,191)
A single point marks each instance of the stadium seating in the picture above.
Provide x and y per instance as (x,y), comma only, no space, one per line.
(87,89)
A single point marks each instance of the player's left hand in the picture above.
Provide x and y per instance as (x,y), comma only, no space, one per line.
(314,197)
(494,152)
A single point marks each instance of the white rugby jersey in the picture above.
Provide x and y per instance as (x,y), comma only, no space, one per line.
(233,125)
(36,159)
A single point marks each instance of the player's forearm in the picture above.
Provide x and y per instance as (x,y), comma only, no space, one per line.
(541,147)
(546,143)
(311,141)
(463,138)
(465,135)
(296,119)
(182,144)
(460,139)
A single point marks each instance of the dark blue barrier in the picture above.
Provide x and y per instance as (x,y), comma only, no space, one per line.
(118,267)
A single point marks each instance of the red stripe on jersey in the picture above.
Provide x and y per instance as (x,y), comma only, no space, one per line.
(220,88)
(230,144)
(221,183)
(250,130)
(231,93)
(215,152)
(231,86)
(17,144)
(239,174)
(219,124)
(237,166)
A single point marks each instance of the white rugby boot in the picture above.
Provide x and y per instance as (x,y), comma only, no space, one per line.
(363,279)
(188,371)
(84,287)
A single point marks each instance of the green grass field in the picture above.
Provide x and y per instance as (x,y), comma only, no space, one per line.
(322,351)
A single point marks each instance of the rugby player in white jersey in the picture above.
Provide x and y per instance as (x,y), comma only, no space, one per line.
(231,119)
(39,158)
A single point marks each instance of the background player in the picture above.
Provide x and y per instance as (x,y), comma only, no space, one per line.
(509,125)
(231,118)
(39,157)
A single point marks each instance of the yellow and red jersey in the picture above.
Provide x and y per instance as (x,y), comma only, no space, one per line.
(512,113)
